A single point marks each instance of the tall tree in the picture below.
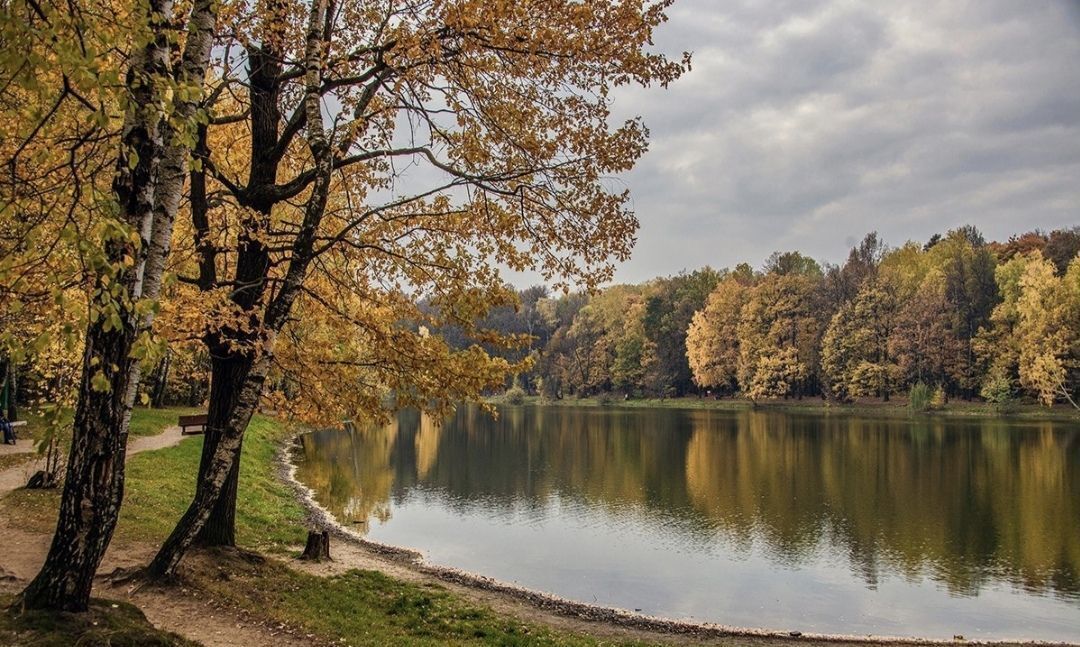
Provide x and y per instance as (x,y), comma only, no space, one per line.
(1062,246)
(855,355)
(712,340)
(922,342)
(1048,331)
(159,102)
(968,268)
(778,333)
(997,344)
(668,311)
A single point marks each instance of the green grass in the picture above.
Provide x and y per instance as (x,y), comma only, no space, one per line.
(148,422)
(106,624)
(160,485)
(369,608)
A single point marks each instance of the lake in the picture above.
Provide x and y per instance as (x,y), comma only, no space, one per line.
(810,521)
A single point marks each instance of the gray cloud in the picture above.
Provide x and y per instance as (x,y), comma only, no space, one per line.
(803,125)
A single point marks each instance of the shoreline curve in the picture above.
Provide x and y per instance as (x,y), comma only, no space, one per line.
(612,617)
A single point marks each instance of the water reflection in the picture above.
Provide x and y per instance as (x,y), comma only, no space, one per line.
(834,503)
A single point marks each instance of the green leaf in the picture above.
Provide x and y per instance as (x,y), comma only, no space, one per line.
(100,383)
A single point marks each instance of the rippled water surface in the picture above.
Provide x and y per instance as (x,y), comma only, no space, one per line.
(796,521)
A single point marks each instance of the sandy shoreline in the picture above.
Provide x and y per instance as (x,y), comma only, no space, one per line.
(548,608)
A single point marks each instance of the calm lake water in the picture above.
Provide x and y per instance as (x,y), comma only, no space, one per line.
(795,521)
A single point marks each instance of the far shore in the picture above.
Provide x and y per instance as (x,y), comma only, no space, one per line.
(896,406)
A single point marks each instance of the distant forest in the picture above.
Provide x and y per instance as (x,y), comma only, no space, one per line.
(958,315)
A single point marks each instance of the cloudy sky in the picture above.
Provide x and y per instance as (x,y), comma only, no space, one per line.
(805,124)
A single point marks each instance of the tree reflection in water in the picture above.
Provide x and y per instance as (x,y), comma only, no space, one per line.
(965,502)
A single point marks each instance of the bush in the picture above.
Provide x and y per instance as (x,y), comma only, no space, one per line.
(605,399)
(919,397)
(998,391)
(939,398)
(514,395)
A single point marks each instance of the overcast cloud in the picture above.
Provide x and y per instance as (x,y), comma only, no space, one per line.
(805,124)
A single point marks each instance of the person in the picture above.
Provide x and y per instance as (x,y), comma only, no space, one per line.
(9,431)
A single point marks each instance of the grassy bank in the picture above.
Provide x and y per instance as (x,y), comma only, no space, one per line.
(160,485)
(355,608)
(896,407)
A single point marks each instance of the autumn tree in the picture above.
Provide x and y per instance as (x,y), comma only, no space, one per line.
(107,100)
(712,340)
(778,332)
(967,266)
(1062,246)
(855,354)
(841,283)
(1048,330)
(506,104)
(997,344)
(669,309)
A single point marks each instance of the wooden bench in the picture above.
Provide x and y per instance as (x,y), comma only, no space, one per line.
(196,422)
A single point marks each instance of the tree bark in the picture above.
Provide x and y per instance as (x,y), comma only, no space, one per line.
(219,457)
(252,265)
(226,372)
(94,485)
(12,382)
(161,380)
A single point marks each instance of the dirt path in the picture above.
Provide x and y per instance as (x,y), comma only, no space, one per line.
(177,610)
(21,446)
(15,477)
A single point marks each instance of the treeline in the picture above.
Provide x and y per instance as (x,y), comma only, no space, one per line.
(959,316)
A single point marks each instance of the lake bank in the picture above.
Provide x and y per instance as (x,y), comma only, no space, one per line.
(804,521)
(896,407)
(352,550)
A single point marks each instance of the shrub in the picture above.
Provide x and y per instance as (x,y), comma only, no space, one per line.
(514,395)
(919,397)
(997,389)
(939,398)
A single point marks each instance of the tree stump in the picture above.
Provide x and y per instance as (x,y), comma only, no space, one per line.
(42,480)
(318,546)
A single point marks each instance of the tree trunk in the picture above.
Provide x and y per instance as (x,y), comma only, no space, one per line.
(94,485)
(318,546)
(226,373)
(219,455)
(161,380)
(236,400)
(3,384)
(148,181)
(12,412)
